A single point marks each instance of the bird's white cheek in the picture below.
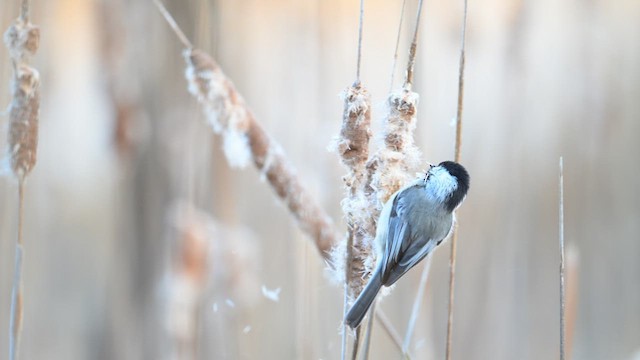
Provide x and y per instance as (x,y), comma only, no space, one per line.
(441,186)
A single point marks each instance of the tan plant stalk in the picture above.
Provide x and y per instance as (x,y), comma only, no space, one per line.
(562,263)
(369,330)
(395,53)
(391,331)
(22,39)
(353,148)
(458,146)
(226,107)
(392,165)
(246,141)
(416,305)
(571,300)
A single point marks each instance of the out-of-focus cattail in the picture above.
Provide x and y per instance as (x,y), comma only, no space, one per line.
(212,264)
(22,39)
(244,140)
(188,280)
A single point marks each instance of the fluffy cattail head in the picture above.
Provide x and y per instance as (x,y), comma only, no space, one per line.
(22,39)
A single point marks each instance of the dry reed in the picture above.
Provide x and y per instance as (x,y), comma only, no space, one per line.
(353,148)
(392,164)
(415,310)
(457,155)
(562,263)
(571,299)
(245,140)
(242,134)
(22,39)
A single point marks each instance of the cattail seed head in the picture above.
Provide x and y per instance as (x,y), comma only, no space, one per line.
(22,39)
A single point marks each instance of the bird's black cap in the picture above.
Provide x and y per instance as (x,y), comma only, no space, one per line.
(460,173)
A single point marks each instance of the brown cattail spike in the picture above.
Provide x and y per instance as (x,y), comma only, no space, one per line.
(353,148)
(22,39)
(246,140)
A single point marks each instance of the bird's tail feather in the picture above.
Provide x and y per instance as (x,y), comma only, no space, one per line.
(363,302)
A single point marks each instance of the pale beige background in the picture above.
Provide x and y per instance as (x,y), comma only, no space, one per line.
(544,78)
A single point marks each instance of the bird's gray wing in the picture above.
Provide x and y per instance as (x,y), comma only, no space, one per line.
(414,230)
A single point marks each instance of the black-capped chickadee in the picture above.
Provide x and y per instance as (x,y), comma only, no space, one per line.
(415,220)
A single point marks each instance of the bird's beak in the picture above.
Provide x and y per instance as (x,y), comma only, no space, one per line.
(431,166)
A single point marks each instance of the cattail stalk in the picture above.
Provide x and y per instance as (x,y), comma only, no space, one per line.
(391,332)
(562,267)
(245,141)
(392,165)
(353,148)
(395,53)
(22,39)
(415,311)
(457,154)
(571,296)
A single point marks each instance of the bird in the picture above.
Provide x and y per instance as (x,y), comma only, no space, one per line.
(412,223)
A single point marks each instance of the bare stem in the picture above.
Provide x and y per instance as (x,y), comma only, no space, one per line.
(562,268)
(183,38)
(416,306)
(356,343)
(395,53)
(360,41)
(413,48)
(367,335)
(457,154)
(15,321)
(391,331)
(347,278)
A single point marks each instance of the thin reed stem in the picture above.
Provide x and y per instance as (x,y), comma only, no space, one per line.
(171,21)
(413,48)
(457,155)
(352,147)
(347,278)
(562,267)
(391,331)
(360,25)
(367,335)
(415,311)
(15,321)
(395,53)
(356,343)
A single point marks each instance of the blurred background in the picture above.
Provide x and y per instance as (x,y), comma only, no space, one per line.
(141,243)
